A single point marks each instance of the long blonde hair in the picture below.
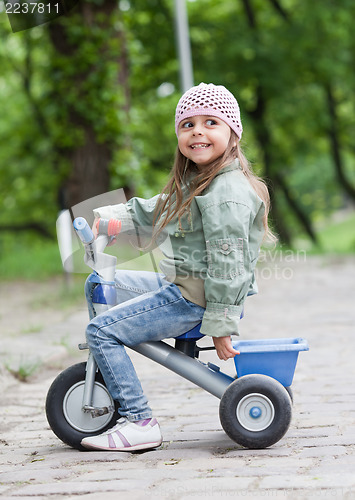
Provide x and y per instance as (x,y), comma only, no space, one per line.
(171,203)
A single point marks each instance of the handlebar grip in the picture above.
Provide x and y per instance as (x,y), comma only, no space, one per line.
(109,227)
(83,230)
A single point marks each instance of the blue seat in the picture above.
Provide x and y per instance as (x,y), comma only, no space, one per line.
(194,333)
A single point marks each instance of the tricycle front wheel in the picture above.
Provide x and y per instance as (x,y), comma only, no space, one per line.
(64,410)
(255,411)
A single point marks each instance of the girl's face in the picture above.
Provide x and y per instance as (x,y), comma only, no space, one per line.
(203,139)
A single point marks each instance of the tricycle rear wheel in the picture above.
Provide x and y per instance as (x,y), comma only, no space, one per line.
(255,411)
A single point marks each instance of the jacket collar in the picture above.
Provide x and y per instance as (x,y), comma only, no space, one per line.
(235,165)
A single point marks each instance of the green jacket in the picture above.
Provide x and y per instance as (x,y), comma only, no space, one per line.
(215,250)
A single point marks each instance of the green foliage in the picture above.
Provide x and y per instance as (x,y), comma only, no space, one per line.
(95,96)
(118,73)
(27,182)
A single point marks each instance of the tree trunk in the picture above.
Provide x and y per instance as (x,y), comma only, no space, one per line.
(301,216)
(264,139)
(333,135)
(90,173)
(90,159)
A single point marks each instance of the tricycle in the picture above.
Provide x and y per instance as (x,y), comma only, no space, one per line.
(255,406)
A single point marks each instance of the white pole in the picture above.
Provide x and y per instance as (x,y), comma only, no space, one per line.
(65,242)
(183,43)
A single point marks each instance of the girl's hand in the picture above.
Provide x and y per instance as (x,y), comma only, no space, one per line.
(112,237)
(224,348)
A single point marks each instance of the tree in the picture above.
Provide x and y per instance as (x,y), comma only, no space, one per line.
(94,110)
(89,94)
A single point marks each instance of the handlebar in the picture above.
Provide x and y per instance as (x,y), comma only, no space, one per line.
(102,263)
(83,230)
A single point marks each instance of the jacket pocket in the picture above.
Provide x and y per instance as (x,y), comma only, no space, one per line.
(225,258)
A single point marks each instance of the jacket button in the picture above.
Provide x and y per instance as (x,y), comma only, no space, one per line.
(225,246)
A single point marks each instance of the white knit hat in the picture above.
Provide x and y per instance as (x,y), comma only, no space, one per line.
(211,100)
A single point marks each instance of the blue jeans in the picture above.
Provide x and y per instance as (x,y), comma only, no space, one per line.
(150,308)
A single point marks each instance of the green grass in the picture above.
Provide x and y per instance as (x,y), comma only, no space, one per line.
(334,238)
(339,237)
(29,259)
(25,369)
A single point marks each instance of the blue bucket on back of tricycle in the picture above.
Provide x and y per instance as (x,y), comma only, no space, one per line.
(276,358)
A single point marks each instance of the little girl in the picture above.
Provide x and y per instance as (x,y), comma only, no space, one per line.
(213,212)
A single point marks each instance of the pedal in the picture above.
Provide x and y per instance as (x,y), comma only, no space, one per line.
(98,412)
(213,367)
(82,347)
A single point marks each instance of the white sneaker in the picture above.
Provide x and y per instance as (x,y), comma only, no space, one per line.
(127,436)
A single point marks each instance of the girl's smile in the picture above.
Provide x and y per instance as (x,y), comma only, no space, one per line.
(203,139)
(199,145)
